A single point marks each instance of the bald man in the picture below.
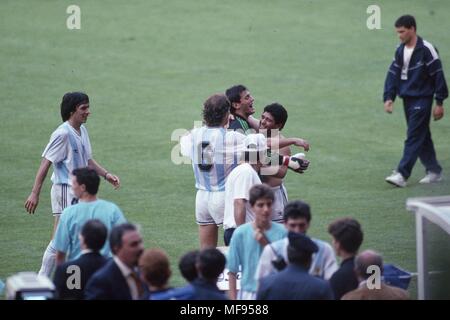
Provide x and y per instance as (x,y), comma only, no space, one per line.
(365,291)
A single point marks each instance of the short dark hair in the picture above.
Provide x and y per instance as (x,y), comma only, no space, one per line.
(187,265)
(89,178)
(70,102)
(260,191)
(115,238)
(278,113)
(210,263)
(407,21)
(234,95)
(215,109)
(348,232)
(299,257)
(297,209)
(155,267)
(94,233)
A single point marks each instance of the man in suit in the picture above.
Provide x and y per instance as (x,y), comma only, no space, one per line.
(347,238)
(294,282)
(365,291)
(118,279)
(71,277)
(210,264)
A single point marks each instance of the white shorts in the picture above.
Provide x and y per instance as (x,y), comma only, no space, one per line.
(62,196)
(280,201)
(209,207)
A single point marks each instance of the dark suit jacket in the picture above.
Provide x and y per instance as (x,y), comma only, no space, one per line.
(205,290)
(293,283)
(88,263)
(385,292)
(108,283)
(344,279)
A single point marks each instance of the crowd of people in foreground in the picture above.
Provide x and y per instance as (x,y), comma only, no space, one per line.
(275,260)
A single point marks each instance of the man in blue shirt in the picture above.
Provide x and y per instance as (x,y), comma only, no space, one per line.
(85,183)
(249,240)
(416,75)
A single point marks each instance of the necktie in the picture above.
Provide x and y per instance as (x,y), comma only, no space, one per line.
(137,281)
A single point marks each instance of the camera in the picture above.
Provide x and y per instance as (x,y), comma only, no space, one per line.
(279,263)
(29,286)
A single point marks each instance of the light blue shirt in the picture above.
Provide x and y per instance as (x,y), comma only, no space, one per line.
(67,150)
(74,217)
(245,251)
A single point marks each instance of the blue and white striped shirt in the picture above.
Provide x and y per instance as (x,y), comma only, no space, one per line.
(67,150)
(214,153)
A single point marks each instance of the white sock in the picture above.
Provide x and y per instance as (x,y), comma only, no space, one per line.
(48,260)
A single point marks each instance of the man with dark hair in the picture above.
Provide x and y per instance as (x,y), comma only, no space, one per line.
(249,240)
(294,282)
(214,153)
(347,238)
(210,264)
(297,218)
(119,278)
(272,121)
(69,148)
(187,265)
(92,238)
(85,183)
(416,75)
(241,107)
(363,262)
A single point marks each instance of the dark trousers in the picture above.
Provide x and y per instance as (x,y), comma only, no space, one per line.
(418,143)
(227,234)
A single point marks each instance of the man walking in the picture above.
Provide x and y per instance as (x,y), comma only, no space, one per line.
(69,148)
(416,75)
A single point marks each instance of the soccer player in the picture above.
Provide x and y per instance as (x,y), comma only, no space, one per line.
(214,152)
(69,148)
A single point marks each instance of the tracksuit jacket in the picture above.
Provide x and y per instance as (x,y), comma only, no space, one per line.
(425,74)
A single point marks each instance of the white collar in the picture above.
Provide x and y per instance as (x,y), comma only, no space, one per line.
(123,267)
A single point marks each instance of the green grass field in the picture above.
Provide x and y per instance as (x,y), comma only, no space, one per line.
(149,65)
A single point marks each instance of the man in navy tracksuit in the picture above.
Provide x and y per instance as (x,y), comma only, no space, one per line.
(416,75)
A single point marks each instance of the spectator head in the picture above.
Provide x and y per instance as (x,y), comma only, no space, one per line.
(126,243)
(366,259)
(261,199)
(297,216)
(273,117)
(155,268)
(85,180)
(93,235)
(216,110)
(210,264)
(300,249)
(241,101)
(70,102)
(407,21)
(347,236)
(187,265)
(405,27)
